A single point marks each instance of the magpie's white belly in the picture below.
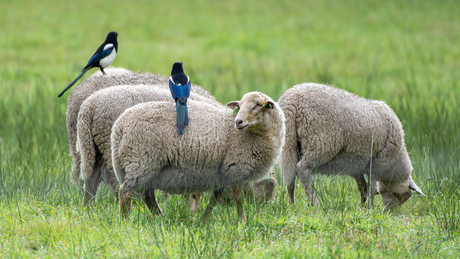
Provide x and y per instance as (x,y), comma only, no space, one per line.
(105,62)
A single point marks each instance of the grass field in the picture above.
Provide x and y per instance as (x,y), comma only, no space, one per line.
(403,52)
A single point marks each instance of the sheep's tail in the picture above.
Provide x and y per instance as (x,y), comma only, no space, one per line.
(290,154)
(74,150)
(115,139)
(76,162)
(85,142)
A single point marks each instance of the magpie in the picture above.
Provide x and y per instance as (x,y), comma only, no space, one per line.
(179,85)
(102,58)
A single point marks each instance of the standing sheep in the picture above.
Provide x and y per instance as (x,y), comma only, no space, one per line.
(95,120)
(95,83)
(331,131)
(211,154)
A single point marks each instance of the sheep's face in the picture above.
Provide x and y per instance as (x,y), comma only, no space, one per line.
(395,194)
(392,200)
(253,112)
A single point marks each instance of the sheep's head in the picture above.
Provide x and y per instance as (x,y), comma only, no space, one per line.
(253,112)
(395,194)
(263,189)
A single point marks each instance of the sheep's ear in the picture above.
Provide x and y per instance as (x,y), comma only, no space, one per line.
(414,187)
(269,104)
(233,104)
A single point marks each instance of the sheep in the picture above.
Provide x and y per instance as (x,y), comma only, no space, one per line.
(95,120)
(95,83)
(259,192)
(331,131)
(211,154)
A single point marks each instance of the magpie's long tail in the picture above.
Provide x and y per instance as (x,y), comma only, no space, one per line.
(186,115)
(75,80)
(182,116)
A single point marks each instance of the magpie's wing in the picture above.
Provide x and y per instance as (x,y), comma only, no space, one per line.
(181,90)
(172,89)
(189,85)
(101,52)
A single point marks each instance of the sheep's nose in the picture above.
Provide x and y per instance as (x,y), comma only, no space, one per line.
(238,122)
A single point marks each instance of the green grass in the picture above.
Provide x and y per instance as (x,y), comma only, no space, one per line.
(403,52)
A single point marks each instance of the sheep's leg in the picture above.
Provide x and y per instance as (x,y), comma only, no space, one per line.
(114,184)
(75,173)
(309,190)
(307,182)
(362,187)
(239,198)
(109,178)
(91,183)
(214,199)
(125,201)
(291,191)
(91,173)
(90,188)
(371,192)
(151,202)
(193,201)
(373,189)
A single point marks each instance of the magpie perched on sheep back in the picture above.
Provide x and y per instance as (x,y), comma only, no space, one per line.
(102,58)
(179,85)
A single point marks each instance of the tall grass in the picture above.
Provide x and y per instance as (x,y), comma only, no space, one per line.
(403,52)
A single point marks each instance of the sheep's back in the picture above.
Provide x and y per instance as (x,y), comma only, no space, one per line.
(107,105)
(95,83)
(154,126)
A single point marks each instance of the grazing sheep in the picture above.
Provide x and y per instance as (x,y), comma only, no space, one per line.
(96,83)
(259,192)
(331,131)
(95,120)
(210,155)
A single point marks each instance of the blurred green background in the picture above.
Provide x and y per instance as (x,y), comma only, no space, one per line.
(405,53)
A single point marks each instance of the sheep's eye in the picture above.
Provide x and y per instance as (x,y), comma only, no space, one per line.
(258,104)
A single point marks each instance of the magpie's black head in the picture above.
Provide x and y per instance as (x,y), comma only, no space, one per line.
(177,68)
(111,37)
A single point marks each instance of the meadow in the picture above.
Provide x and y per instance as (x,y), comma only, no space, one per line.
(405,53)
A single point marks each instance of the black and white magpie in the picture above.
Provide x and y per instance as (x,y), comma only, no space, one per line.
(179,85)
(102,58)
